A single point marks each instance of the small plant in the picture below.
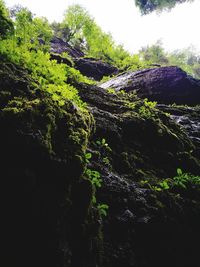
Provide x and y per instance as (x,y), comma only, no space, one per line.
(104,147)
(181,180)
(102,209)
(152,187)
(94,177)
(146,110)
(164,185)
(111,91)
(88,156)
(102,142)
(106,160)
(184,179)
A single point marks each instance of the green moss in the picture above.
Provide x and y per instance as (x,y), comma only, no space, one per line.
(46,143)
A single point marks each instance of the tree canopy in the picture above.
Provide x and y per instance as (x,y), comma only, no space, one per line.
(5,22)
(147,6)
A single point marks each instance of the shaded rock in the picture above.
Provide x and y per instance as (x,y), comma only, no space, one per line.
(89,67)
(142,224)
(188,118)
(42,188)
(60,59)
(165,85)
(136,141)
(94,68)
(59,46)
(48,216)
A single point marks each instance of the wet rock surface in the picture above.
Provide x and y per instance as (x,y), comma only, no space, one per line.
(166,85)
(188,118)
(143,226)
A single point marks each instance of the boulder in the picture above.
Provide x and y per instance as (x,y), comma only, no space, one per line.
(61,59)
(59,46)
(90,67)
(94,68)
(165,85)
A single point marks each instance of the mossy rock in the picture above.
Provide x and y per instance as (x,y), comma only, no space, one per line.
(42,164)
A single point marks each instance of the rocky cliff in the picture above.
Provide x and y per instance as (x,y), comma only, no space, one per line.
(53,213)
(165,85)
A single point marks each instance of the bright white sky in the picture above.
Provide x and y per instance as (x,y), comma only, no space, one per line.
(177,29)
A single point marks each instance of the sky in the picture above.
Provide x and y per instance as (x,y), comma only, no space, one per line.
(177,29)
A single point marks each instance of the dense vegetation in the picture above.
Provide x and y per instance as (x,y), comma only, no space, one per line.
(27,45)
(25,40)
(81,31)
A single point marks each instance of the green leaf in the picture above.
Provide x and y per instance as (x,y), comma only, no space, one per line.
(179,172)
(103,142)
(164,185)
(88,155)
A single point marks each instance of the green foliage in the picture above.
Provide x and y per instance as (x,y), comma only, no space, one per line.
(147,109)
(25,49)
(94,177)
(6,25)
(102,142)
(106,161)
(103,147)
(85,34)
(103,208)
(154,54)
(31,31)
(181,180)
(147,6)
(185,179)
(164,185)
(187,59)
(88,156)
(50,76)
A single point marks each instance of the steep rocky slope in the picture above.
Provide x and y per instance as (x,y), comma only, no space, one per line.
(47,213)
(50,217)
(144,227)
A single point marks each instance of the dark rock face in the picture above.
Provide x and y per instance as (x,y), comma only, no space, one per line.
(165,85)
(59,46)
(94,68)
(48,215)
(60,59)
(188,118)
(89,67)
(41,177)
(144,228)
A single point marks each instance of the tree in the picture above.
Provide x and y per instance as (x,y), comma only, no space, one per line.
(61,30)
(6,27)
(23,24)
(42,29)
(147,6)
(154,54)
(29,30)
